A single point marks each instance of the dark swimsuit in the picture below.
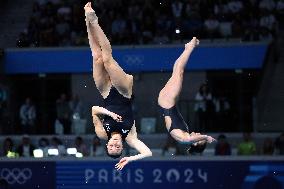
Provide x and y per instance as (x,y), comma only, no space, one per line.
(176,117)
(117,103)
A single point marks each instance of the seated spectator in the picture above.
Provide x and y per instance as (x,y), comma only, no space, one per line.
(134,11)
(212,26)
(57,144)
(140,15)
(280,5)
(247,147)
(65,11)
(251,25)
(62,27)
(192,8)
(25,149)
(279,144)
(268,21)
(81,146)
(235,6)
(118,28)
(8,146)
(267,5)
(96,148)
(41,3)
(280,13)
(55,2)
(147,30)
(161,38)
(76,31)
(43,144)
(222,147)
(225,29)
(177,7)
(268,147)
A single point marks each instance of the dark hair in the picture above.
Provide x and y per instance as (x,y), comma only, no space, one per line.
(199,148)
(57,140)
(6,148)
(114,156)
(206,87)
(45,140)
(8,139)
(80,139)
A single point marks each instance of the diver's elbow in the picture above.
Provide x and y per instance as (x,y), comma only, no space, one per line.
(95,110)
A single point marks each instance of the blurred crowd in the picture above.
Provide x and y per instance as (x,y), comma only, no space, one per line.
(68,113)
(62,22)
(94,148)
(212,112)
(223,147)
(69,117)
(50,147)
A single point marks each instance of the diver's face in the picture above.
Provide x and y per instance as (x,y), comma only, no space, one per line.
(114,145)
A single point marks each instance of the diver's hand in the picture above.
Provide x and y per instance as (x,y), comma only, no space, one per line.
(192,44)
(116,117)
(210,139)
(124,161)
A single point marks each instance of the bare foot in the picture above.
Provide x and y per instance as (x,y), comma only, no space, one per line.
(88,8)
(90,14)
(193,43)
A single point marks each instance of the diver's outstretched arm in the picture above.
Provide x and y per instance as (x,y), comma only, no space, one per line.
(133,141)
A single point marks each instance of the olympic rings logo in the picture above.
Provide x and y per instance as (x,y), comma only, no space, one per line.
(133,59)
(16,175)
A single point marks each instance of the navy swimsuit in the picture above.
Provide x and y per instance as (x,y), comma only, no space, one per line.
(117,103)
(176,117)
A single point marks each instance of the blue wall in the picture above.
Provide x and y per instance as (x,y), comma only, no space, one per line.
(144,174)
(136,59)
(28,175)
